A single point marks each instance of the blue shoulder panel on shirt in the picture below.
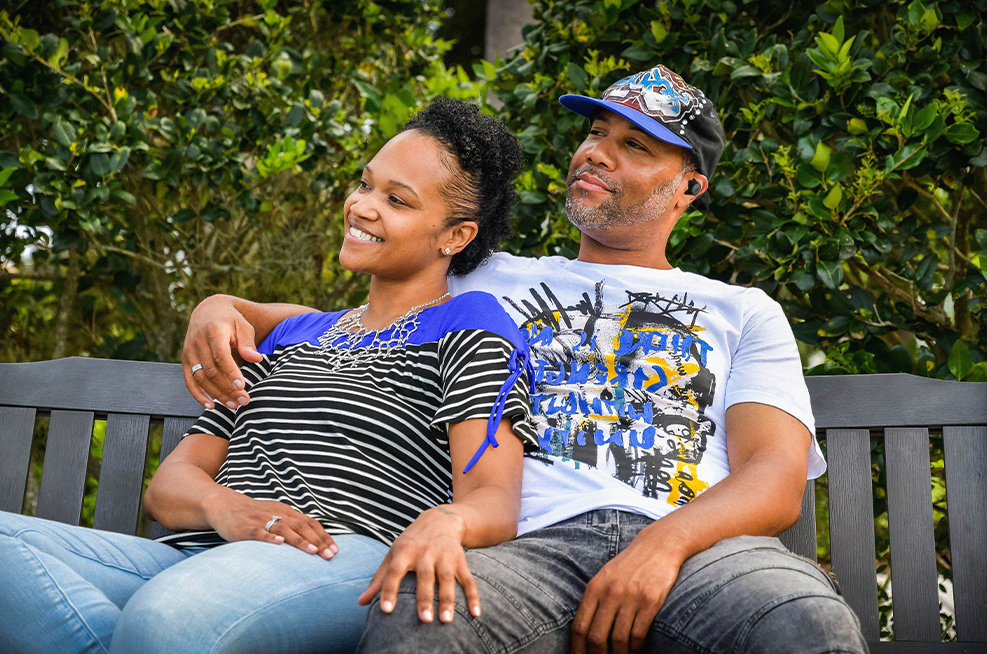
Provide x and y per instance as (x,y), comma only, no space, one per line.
(297,329)
(471,310)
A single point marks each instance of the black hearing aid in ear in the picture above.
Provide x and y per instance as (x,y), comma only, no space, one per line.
(694,187)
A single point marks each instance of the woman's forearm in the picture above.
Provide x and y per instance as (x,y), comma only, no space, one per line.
(489,516)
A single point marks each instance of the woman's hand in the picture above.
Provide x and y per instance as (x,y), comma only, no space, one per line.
(235,517)
(484,512)
(431,547)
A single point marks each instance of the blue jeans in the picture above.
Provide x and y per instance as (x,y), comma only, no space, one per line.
(67,590)
(746,594)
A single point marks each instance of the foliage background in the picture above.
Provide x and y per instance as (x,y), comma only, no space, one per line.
(153,153)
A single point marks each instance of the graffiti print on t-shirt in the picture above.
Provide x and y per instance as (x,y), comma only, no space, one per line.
(623,387)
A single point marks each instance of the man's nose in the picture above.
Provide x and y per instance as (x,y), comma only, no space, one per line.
(599,154)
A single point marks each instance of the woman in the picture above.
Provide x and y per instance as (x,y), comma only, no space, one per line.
(363,424)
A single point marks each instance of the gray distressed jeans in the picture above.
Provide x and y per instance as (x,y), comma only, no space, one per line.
(745,594)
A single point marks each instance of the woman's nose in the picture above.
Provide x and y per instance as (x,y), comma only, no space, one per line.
(363,207)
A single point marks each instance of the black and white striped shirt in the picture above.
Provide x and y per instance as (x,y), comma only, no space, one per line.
(365,449)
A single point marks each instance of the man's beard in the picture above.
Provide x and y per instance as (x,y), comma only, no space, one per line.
(613,213)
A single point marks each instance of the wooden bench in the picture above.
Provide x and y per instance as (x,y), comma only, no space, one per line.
(849,411)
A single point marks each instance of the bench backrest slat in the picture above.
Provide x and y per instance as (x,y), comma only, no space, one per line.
(174,429)
(121,475)
(801,537)
(913,544)
(966,497)
(16,429)
(63,475)
(851,523)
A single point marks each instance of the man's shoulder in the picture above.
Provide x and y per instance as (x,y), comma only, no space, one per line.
(503,267)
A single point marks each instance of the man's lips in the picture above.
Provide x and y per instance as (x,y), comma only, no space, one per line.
(591,183)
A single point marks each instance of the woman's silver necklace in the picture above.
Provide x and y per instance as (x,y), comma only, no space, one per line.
(340,341)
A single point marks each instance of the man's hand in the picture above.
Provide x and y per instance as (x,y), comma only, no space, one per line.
(621,601)
(216,329)
(431,547)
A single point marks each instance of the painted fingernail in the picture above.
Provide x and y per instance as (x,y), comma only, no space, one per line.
(312,548)
(386,606)
(238,384)
(279,539)
(328,553)
(427,615)
(475,610)
(242,401)
(333,548)
(231,404)
(210,405)
(445,616)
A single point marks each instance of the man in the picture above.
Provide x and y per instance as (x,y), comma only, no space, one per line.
(675,426)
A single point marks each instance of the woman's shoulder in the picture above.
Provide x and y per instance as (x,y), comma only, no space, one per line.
(478,310)
(304,327)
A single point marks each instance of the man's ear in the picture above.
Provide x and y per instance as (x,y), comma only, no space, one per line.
(695,185)
(459,236)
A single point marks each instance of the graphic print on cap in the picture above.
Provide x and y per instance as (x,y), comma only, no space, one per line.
(660,94)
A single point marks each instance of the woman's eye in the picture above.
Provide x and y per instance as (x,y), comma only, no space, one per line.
(396,200)
(364,186)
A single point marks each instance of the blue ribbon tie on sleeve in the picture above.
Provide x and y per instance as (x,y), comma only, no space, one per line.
(519,362)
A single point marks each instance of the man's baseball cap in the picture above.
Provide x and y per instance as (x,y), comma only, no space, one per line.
(660,102)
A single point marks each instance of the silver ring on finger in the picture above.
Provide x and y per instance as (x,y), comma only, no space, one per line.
(196,368)
(273,521)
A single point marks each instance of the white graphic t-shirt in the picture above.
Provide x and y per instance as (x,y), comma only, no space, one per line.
(635,369)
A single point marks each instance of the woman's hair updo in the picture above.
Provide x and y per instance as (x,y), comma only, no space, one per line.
(487,159)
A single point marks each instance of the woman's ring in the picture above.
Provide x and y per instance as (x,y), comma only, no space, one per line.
(196,368)
(273,521)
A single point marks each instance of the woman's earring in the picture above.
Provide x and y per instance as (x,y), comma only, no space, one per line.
(447,251)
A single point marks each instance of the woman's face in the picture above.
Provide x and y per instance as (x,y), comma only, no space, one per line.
(395,220)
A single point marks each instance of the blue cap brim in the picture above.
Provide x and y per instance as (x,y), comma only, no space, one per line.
(586,106)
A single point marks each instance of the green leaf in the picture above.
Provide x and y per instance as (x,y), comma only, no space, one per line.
(960,363)
(183,216)
(978,373)
(808,176)
(638,52)
(64,133)
(830,273)
(7,172)
(100,164)
(23,105)
(820,160)
(803,280)
(832,199)
(7,196)
(926,270)
(923,119)
(119,160)
(961,133)
(836,326)
(838,29)
(125,196)
(196,117)
(577,76)
(659,31)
